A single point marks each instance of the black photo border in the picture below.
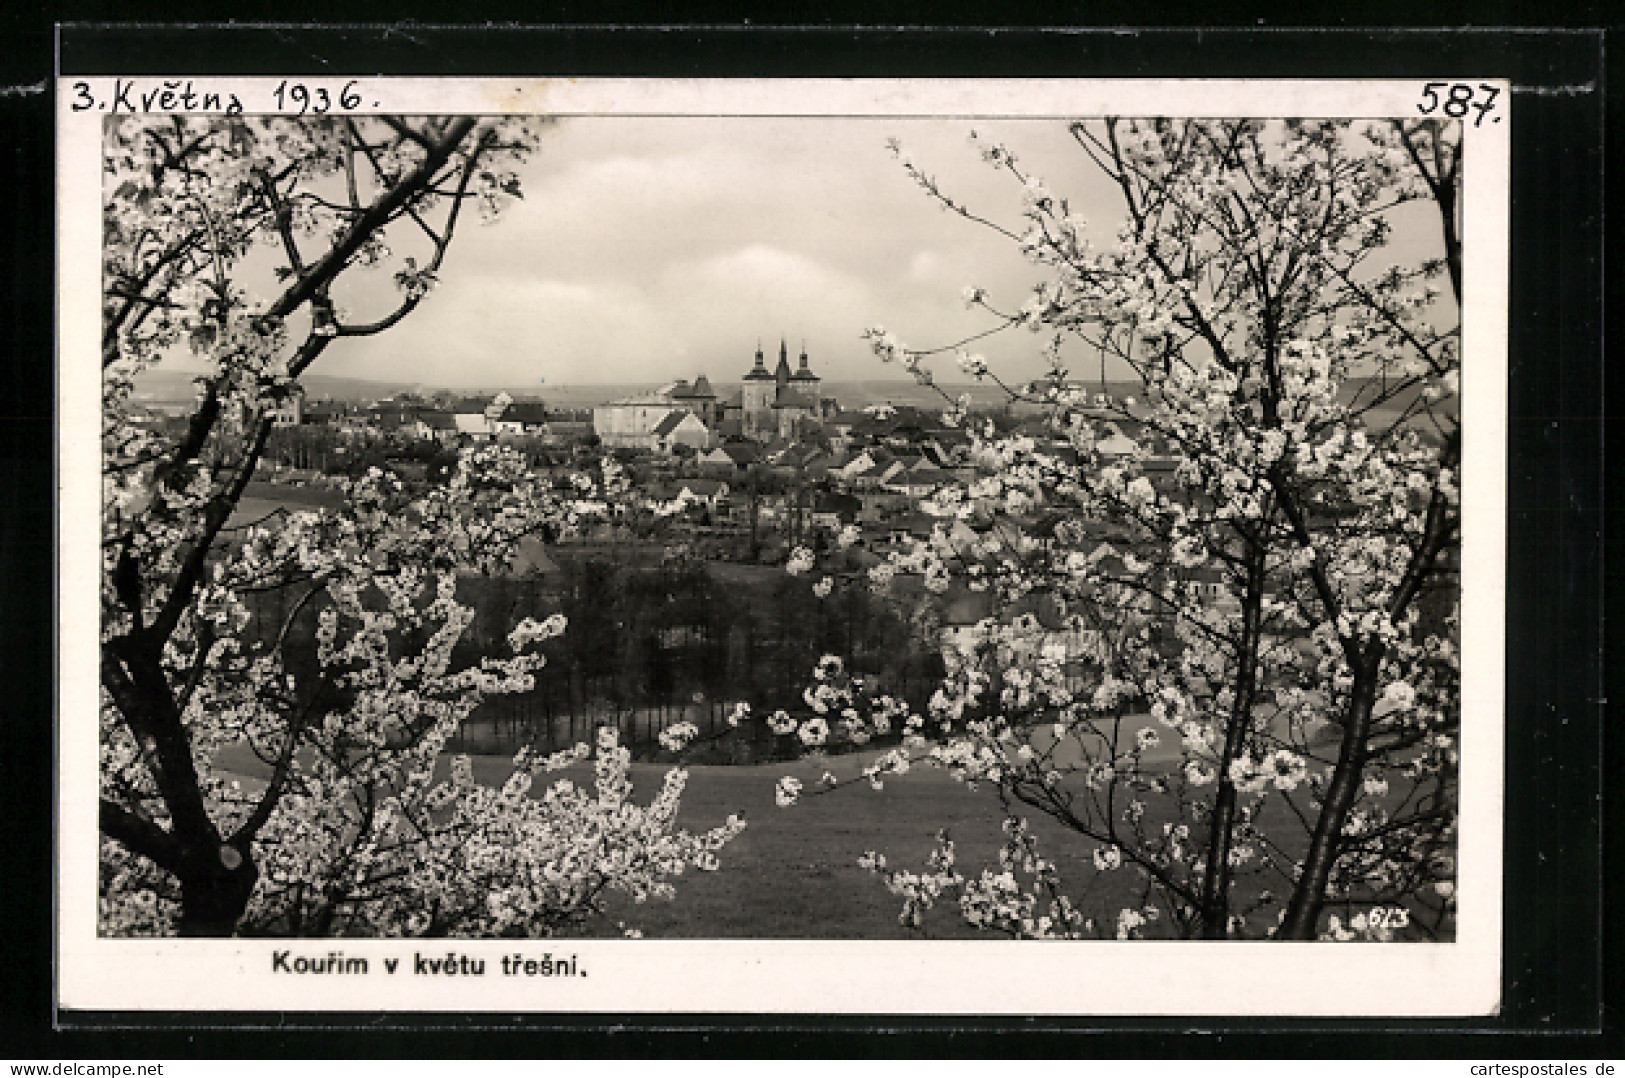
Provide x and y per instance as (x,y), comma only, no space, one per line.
(1556,935)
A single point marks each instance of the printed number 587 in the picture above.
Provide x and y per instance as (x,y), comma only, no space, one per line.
(1458,99)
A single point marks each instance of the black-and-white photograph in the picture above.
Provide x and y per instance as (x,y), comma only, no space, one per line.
(603,526)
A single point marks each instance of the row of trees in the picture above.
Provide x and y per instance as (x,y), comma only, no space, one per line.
(685,637)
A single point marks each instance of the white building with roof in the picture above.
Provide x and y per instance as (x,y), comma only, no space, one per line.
(636,422)
(681,428)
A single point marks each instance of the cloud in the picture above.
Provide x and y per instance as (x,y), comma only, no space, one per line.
(769,278)
(645,249)
(925,266)
(648,248)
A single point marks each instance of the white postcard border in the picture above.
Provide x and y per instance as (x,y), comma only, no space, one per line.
(778,976)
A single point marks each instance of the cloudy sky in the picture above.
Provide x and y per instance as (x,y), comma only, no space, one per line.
(647,249)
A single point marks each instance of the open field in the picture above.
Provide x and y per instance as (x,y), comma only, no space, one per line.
(793,873)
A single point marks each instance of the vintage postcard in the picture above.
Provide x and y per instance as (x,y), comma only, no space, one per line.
(812,546)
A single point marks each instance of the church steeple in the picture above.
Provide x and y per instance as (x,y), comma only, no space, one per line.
(758,372)
(804,373)
(781,374)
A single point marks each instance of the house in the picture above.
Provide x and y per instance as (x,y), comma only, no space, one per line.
(324,413)
(711,493)
(630,422)
(797,457)
(822,466)
(916,480)
(431,423)
(287,412)
(864,471)
(697,397)
(1116,444)
(474,425)
(833,508)
(531,558)
(475,417)
(680,428)
(1212,590)
(523,417)
(1046,629)
(731,457)
(894,473)
(565,431)
(412,419)
(910,527)
(717,462)
(744,454)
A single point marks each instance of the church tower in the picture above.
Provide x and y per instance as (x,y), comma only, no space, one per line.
(806,383)
(781,373)
(774,404)
(756,400)
(804,373)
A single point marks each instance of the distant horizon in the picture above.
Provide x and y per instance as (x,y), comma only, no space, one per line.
(315,381)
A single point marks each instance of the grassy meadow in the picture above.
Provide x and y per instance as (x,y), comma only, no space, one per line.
(793,873)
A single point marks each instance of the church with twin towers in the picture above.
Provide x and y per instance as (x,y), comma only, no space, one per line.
(781,404)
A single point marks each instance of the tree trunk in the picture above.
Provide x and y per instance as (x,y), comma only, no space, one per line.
(216,878)
(1309,894)
(215,890)
(1216,880)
